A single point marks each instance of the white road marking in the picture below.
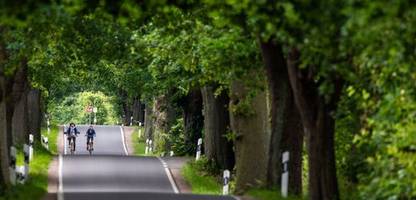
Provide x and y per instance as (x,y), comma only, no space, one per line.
(170,177)
(124,142)
(60,186)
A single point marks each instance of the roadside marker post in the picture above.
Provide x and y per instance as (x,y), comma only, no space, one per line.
(150,146)
(147,147)
(49,126)
(26,153)
(12,165)
(199,148)
(226,185)
(140,133)
(131,121)
(285,174)
(30,147)
(45,142)
(171,153)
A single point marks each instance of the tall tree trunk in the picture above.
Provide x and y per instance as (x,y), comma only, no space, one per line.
(6,113)
(319,126)
(20,130)
(137,111)
(10,92)
(149,121)
(286,128)
(193,119)
(142,112)
(127,108)
(35,113)
(216,125)
(5,119)
(252,137)
(165,117)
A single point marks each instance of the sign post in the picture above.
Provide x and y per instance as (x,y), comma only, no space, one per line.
(95,110)
(285,174)
(199,148)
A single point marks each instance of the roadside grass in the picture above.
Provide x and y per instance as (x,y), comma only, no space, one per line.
(52,137)
(201,182)
(37,185)
(139,143)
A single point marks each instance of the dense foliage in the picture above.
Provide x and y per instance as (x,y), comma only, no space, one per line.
(73,108)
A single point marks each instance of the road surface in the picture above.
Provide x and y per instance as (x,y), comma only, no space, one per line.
(111,174)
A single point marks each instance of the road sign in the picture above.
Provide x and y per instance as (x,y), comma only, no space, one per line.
(89,109)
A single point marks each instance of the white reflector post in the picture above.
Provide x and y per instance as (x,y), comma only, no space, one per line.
(31,147)
(199,148)
(150,146)
(147,147)
(13,165)
(26,153)
(285,174)
(226,183)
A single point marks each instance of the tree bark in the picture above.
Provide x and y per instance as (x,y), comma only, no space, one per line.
(137,111)
(142,113)
(319,126)
(149,121)
(286,128)
(216,125)
(35,113)
(20,129)
(6,113)
(127,108)
(252,138)
(193,119)
(165,117)
(6,110)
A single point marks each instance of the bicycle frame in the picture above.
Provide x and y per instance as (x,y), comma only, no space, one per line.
(90,145)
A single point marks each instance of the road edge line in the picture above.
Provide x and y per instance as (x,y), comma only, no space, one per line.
(60,186)
(124,141)
(169,174)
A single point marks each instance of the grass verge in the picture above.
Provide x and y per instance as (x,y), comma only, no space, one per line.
(139,141)
(37,185)
(200,182)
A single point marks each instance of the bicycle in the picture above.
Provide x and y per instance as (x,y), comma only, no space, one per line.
(72,145)
(90,145)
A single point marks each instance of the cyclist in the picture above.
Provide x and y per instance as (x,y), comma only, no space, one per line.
(90,136)
(72,133)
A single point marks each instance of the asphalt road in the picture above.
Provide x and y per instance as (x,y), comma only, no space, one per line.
(110,174)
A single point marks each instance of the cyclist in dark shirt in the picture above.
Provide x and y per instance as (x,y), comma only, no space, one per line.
(90,136)
(72,133)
